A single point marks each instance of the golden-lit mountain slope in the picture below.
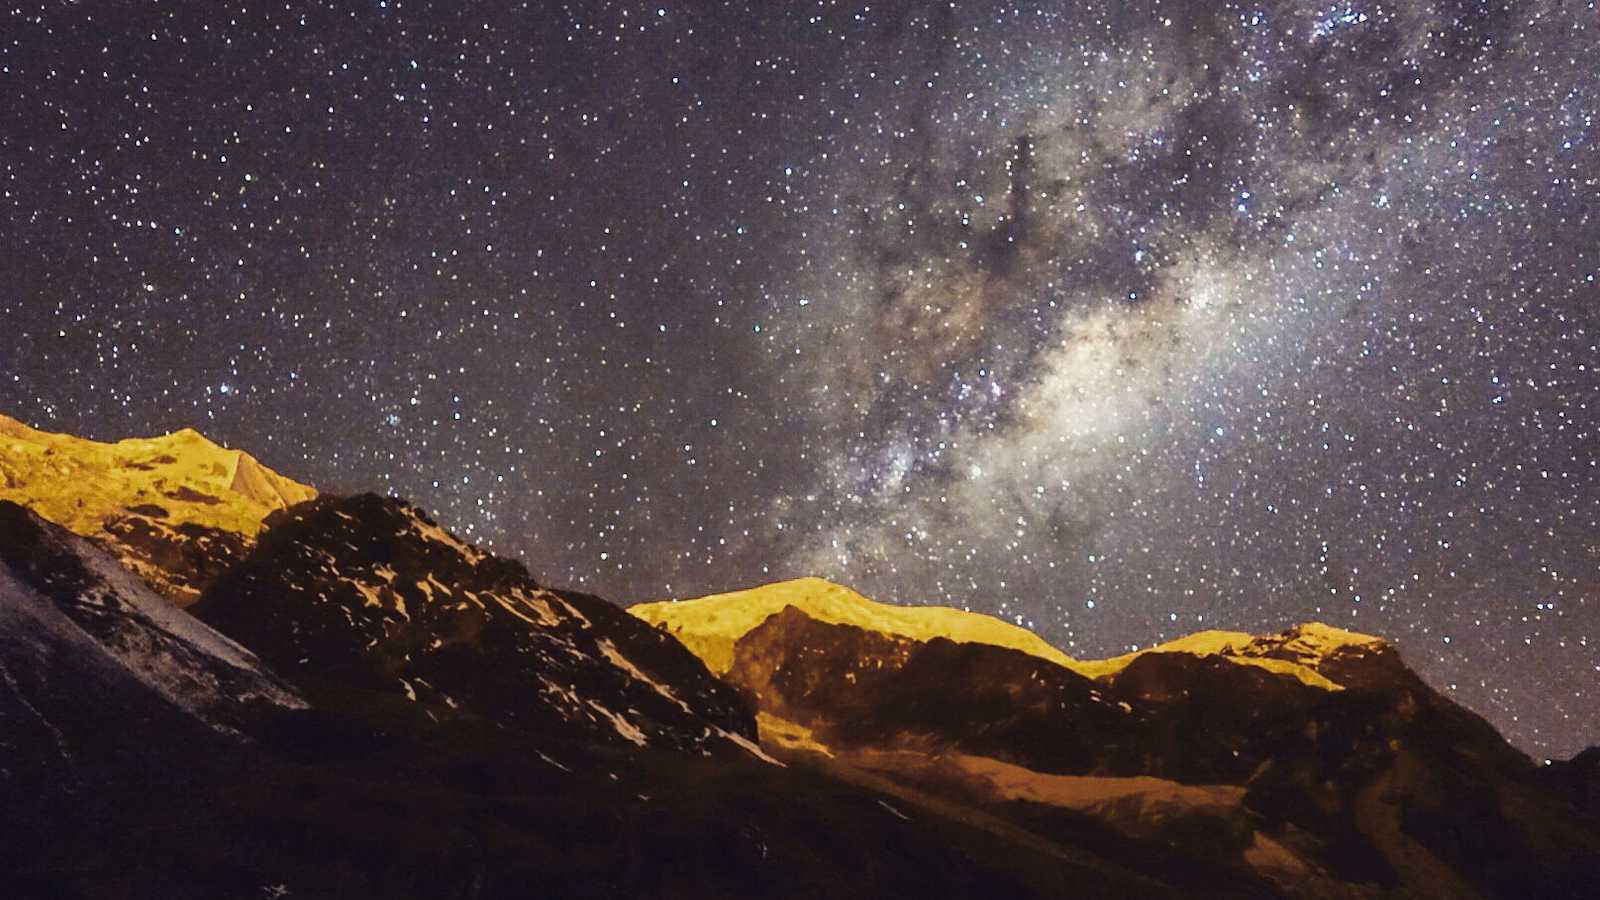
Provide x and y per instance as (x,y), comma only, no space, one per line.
(1298,652)
(79,483)
(175,507)
(710,626)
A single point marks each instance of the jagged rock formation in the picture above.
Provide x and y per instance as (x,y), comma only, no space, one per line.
(858,688)
(368,593)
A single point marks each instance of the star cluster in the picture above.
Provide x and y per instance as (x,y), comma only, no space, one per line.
(1117,319)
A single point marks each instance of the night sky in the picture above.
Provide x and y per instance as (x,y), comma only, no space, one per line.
(1121,320)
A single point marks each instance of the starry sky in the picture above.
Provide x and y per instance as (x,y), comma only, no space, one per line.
(1120,320)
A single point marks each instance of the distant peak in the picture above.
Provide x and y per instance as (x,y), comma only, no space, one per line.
(189,435)
(710,626)
(804,585)
(175,478)
(816,581)
(1334,636)
(1315,653)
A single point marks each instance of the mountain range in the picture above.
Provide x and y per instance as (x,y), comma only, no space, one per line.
(218,682)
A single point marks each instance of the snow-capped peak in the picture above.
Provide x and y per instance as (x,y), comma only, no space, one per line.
(176,509)
(1322,639)
(710,626)
(178,478)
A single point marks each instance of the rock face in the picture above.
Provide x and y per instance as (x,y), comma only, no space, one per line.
(177,509)
(856,688)
(1368,783)
(99,675)
(366,593)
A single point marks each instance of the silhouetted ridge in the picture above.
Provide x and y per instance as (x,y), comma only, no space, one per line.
(367,592)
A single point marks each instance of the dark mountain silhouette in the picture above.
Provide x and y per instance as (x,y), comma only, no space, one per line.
(368,594)
(363,704)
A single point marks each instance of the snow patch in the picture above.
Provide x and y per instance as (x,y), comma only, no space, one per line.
(509,607)
(150,641)
(749,747)
(540,606)
(439,535)
(789,735)
(553,762)
(1269,857)
(895,812)
(572,611)
(624,727)
(369,595)
(161,614)
(609,650)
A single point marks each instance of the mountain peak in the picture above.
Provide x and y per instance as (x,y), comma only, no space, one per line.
(711,625)
(1322,634)
(176,506)
(188,435)
(1309,652)
(1314,653)
(179,477)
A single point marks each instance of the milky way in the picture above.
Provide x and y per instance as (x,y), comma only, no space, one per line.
(1118,320)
